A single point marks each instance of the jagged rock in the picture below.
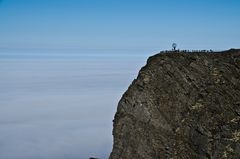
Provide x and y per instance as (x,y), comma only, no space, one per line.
(182,105)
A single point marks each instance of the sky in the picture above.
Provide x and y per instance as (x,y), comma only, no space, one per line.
(131,26)
(64,65)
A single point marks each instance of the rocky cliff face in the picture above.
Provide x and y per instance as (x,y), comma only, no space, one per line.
(182,105)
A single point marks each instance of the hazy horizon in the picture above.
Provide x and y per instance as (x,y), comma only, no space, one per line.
(61,108)
(64,65)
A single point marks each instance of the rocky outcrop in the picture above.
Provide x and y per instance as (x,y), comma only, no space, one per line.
(181,106)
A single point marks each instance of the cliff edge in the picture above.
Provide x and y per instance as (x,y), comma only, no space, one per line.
(181,106)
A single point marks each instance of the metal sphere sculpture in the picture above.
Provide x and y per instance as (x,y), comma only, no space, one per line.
(174,45)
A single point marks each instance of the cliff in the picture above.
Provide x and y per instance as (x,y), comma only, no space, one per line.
(182,105)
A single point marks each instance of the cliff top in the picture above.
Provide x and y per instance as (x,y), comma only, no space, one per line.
(182,105)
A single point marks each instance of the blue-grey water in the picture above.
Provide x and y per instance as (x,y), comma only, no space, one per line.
(61,107)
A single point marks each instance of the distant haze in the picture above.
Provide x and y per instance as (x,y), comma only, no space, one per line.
(55,108)
(64,65)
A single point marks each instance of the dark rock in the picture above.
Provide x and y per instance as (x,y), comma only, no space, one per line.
(182,105)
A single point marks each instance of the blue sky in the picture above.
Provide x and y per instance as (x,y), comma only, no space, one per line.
(58,108)
(132,25)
